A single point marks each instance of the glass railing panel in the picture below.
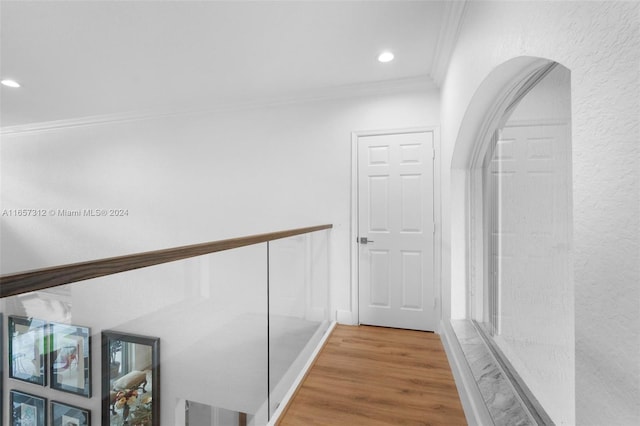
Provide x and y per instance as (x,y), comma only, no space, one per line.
(298,307)
(209,314)
(229,362)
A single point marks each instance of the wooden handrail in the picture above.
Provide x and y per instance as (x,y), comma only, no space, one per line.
(40,279)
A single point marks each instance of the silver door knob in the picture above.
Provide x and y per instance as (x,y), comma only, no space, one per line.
(364,240)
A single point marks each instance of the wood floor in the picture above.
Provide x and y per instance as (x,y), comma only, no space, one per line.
(377,376)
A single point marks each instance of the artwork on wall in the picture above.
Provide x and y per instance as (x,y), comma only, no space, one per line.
(68,415)
(70,360)
(130,379)
(27,350)
(28,410)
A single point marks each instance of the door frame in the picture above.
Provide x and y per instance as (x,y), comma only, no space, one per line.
(353,231)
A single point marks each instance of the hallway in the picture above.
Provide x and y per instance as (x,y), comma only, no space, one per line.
(160,128)
(377,376)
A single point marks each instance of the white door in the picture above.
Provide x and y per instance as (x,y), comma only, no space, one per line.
(396,230)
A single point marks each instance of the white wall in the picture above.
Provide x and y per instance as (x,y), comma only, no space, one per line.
(598,42)
(186,179)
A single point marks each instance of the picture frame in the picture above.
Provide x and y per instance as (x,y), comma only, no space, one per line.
(27,409)
(70,359)
(130,379)
(69,415)
(28,349)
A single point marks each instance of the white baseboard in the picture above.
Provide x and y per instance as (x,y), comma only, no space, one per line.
(287,397)
(474,407)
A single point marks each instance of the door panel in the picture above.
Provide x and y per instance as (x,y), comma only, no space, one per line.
(379,266)
(378,203)
(395,215)
(411,206)
(412,277)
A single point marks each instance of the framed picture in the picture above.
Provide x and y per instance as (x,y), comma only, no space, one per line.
(68,415)
(70,358)
(28,410)
(27,350)
(130,379)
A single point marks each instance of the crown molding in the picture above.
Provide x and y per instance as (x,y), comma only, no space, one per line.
(419,83)
(447,38)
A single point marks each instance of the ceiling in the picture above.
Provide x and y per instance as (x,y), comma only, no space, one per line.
(85,58)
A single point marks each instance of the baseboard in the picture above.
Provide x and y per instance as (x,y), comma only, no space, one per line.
(298,381)
(474,407)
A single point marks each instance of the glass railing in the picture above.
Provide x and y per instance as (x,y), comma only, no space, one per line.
(216,339)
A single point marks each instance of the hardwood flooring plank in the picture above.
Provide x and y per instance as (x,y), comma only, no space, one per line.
(377,376)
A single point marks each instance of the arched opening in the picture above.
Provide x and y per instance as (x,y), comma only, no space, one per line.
(512,163)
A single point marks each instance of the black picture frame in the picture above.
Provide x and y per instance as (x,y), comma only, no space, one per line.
(70,359)
(28,350)
(69,415)
(130,378)
(27,409)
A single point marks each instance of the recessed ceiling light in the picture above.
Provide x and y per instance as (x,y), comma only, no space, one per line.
(385,57)
(10,83)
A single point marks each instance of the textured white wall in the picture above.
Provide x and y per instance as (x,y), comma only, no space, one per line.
(598,42)
(194,178)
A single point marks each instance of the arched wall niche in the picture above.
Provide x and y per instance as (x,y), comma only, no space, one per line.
(494,115)
(488,107)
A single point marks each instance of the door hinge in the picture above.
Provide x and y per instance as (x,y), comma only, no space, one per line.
(434,228)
